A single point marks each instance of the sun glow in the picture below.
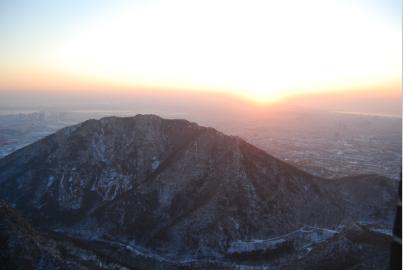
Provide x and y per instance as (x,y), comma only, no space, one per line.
(262,50)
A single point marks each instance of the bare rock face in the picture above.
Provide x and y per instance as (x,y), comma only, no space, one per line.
(169,192)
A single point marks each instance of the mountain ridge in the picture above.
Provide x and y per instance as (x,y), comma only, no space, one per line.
(177,188)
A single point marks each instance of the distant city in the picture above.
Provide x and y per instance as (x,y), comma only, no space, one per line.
(329,145)
(336,145)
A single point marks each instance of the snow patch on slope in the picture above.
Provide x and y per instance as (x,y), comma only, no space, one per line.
(299,239)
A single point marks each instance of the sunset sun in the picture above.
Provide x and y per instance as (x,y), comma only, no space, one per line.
(261,50)
(200,134)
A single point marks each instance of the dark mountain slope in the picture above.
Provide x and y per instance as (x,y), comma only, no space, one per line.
(22,247)
(367,198)
(173,188)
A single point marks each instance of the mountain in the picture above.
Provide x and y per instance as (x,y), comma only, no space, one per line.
(23,247)
(169,192)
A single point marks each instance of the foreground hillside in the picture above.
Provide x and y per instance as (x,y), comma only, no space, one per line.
(150,192)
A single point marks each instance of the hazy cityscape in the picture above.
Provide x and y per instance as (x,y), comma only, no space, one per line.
(330,145)
(200,135)
(334,145)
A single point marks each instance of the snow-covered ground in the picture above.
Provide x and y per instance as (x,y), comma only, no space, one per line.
(299,239)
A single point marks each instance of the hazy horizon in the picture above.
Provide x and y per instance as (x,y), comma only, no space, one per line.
(370,102)
(333,56)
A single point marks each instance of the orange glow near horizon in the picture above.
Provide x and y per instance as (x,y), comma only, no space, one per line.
(260,50)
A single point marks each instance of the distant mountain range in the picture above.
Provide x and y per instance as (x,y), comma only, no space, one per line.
(149,193)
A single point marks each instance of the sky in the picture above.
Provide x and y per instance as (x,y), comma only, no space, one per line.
(264,51)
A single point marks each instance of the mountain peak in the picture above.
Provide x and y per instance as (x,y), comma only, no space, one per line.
(173,187)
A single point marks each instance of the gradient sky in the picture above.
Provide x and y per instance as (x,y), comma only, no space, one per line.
(261,50)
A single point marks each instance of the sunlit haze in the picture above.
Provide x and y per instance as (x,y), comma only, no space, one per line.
(200,134)
(258,50)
